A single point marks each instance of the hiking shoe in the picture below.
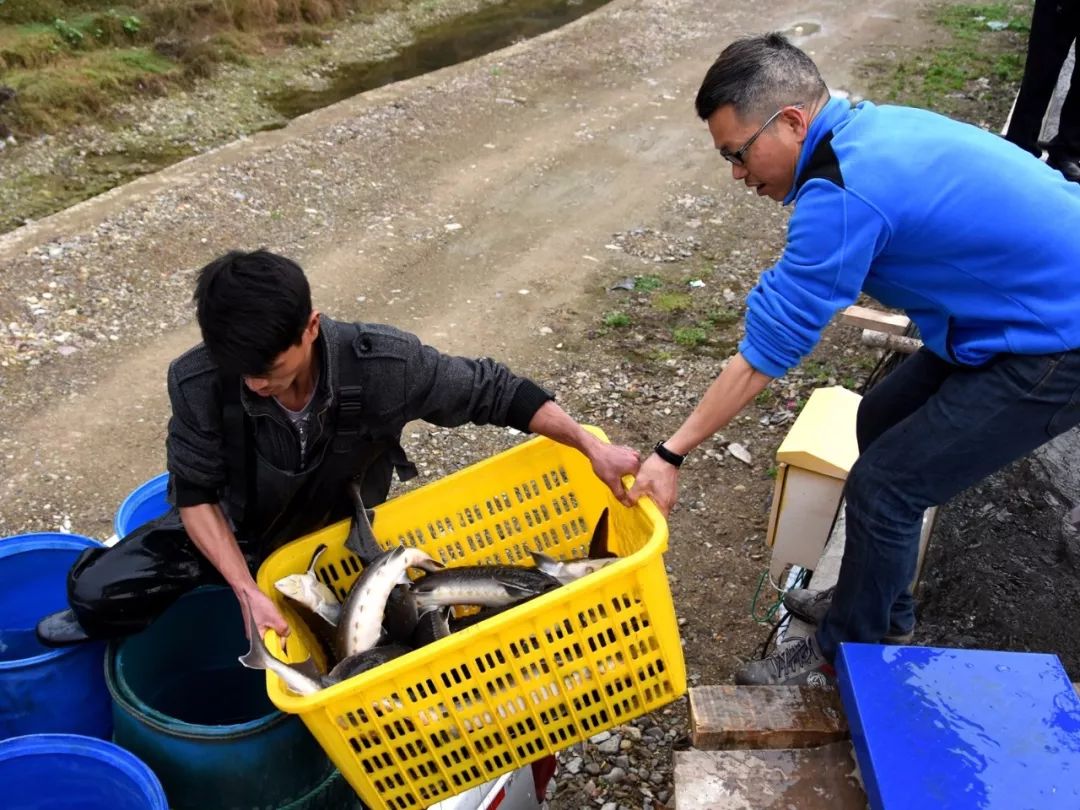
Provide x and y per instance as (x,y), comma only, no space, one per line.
(807,604)
(61,629)
(799,663)
(810,606)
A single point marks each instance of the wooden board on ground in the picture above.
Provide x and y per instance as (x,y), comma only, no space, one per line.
(822,778)
(765,717)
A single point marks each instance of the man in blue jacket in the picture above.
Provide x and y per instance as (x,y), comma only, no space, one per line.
(974,238)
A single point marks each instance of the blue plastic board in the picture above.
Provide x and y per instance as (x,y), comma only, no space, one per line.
(958,729)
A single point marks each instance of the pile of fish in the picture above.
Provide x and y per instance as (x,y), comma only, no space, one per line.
(387,615)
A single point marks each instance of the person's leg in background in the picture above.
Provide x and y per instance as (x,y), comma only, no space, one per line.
(1052,34)
(1064,148)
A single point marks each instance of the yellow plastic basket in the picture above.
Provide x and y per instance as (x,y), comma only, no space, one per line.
(524,684)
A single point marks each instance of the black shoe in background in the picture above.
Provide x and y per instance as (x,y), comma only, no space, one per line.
(1068,165)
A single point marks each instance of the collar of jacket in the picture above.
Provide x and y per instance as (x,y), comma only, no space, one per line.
(327,343)
(834,111)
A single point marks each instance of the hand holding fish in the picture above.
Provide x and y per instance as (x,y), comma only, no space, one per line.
(660,481)
(257,606)
(611,462)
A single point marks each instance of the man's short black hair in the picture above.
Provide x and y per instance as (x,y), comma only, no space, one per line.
(757,76)
(251,307)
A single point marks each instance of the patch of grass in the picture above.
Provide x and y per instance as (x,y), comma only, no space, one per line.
(722,317)
(648,283)
(616,320)
(972,75)
(28,47)
(765,398)
(772,472)
(30,11)
(673,302)
(817,371)
(60,94)
(53,37)
(689,336)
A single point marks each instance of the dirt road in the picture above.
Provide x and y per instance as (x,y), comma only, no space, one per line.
(432,204)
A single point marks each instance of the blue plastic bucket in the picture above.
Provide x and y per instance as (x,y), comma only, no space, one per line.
(43,690)
(186,707)
(61,771)
(146,502)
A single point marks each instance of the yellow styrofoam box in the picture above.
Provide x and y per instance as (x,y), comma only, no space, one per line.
(823,438)
(521,685)
(812,464)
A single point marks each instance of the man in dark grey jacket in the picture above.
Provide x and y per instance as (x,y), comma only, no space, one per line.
(273,415)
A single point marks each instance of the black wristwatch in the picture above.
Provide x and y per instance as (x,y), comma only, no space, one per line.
(674,459)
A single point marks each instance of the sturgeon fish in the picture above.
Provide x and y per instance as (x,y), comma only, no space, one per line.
(303,678)
(308,590)
(483,585)
(567,572)
(361,622)
(364,661)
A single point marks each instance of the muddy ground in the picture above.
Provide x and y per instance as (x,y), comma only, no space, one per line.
(501,207)
(1003,569)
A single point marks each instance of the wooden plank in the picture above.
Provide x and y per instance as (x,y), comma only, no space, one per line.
(765,717)
(823,778)
(866,318)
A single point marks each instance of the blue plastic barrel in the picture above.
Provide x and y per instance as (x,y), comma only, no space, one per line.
(186,707)
(61,771)
(43,690)
(146,502)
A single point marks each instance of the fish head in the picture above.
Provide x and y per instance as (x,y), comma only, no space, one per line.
(415,558)
(546,563)
(592,566)
(294,586)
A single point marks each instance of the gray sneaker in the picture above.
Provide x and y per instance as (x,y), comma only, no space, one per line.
(810,606)
(799,663)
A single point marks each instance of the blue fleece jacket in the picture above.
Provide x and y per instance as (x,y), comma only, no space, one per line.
(976,240)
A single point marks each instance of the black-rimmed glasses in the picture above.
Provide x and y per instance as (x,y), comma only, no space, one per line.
(737,158)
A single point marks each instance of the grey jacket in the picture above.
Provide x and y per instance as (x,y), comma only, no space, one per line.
(373,380)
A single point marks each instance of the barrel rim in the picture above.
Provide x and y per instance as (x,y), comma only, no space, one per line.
(44,541)
(139,710)
(70,745)
(149,486)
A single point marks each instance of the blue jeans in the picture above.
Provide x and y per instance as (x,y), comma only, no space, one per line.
(928,431)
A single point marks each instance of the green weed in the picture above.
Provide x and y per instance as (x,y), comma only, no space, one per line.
(689,335)
(672,302)
(68,32)
(722,317)
(616,320)
(648,283)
